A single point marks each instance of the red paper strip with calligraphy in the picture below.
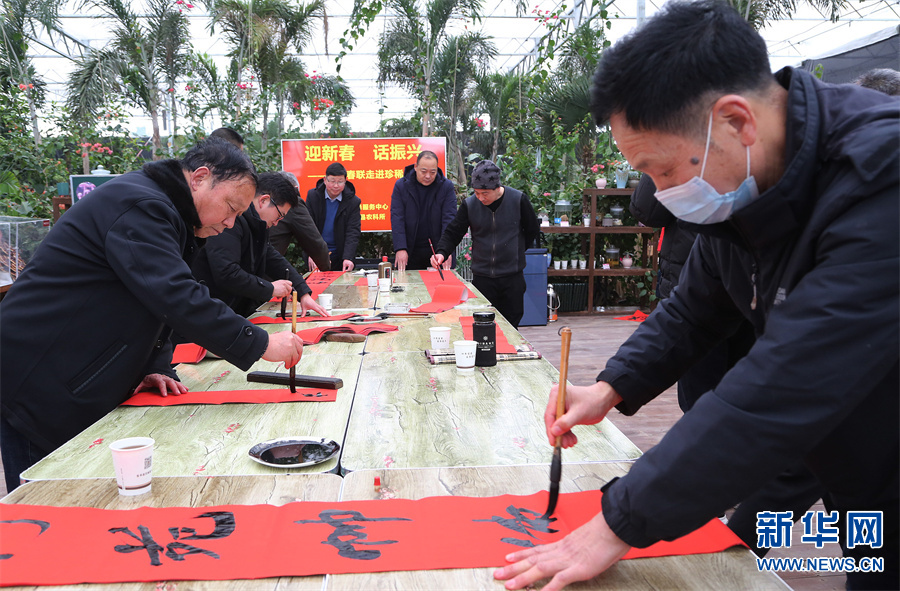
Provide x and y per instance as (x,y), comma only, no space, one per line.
(228,542)
(233,397)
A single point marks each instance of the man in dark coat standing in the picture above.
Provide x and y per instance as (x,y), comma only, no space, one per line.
(241,268)
(423,204)
(334,207)
(85,322)
(503,226)
(793,187)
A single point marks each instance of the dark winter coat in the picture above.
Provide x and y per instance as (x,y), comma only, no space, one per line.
(299,225)
(812,264)
(347,222)
(239,265)
(79,327)
(408,197)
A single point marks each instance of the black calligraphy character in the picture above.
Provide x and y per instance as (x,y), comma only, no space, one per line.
(44,525)
(224,527)
(523,524)
(340,521)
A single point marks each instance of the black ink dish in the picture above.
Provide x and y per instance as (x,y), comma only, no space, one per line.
(294,452)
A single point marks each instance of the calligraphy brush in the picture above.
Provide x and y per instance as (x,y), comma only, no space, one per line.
(556,464)
(441,273)
(293,371)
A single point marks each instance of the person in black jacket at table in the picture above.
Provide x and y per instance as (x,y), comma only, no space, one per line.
(241,268)
(796,489)
(334,207)
(85,322)
(503,226)
(423,203)
(792,185)
(298,225)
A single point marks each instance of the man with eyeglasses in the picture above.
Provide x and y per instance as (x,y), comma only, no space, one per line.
(334,207)
(241,268)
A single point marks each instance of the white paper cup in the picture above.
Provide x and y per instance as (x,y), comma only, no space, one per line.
(133,463)
(325,300)
(384,284)
(372,278)
(465,356)
(440,337)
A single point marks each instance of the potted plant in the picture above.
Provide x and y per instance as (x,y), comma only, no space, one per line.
(600,181)
(582,263)
(607,220)
(627,260)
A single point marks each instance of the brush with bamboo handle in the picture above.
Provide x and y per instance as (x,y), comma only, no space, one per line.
(293,371)
(556,464)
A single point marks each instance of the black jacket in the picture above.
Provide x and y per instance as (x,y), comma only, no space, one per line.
(79,326)
(299,225)
(239,265)
(347,222)
(678,237)
(813,265)
(408,196)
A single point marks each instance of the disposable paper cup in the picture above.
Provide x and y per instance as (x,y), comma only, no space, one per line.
(325,300)
(465,356)
(440,337)
(133,463)
(384,284)
(372,279)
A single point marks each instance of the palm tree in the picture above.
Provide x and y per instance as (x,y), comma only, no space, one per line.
(22,20)
(412,42)
(261,33)
(133,64)
(760,12)
(504,97)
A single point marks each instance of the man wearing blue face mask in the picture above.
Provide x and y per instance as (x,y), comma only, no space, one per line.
(810,258)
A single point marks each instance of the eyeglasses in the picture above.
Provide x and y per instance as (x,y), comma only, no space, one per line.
(280,215)
(336,182)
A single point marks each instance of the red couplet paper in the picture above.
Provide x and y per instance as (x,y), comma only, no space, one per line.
(188,353)
(638,316)
(443,298)
(311,336)
(432,279)
(270,320)
(319,281)
(229,542)
(503,345)
(233,396)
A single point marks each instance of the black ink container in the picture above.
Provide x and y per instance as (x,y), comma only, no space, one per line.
(484,332)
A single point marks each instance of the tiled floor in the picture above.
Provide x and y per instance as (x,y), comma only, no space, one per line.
(594,340)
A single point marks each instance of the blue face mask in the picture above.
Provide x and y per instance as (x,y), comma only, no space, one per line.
(698,202)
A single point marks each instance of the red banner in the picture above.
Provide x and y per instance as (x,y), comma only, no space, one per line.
(42,545)
(233,397)
(373,166)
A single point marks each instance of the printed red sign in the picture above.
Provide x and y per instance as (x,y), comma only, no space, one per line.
(373,166)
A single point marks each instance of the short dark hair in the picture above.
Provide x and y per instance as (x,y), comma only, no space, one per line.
(278,188)
(336,169)
(666,74)
(883,80)
(229,135)
(426,154)
(225,160)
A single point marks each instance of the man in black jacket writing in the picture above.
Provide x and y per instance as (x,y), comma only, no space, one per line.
(85,322)
(792,185)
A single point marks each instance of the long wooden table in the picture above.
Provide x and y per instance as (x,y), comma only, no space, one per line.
(101,493)
(394,408)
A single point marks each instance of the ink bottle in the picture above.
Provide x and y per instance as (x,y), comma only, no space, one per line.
(384,268)
(484,332)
